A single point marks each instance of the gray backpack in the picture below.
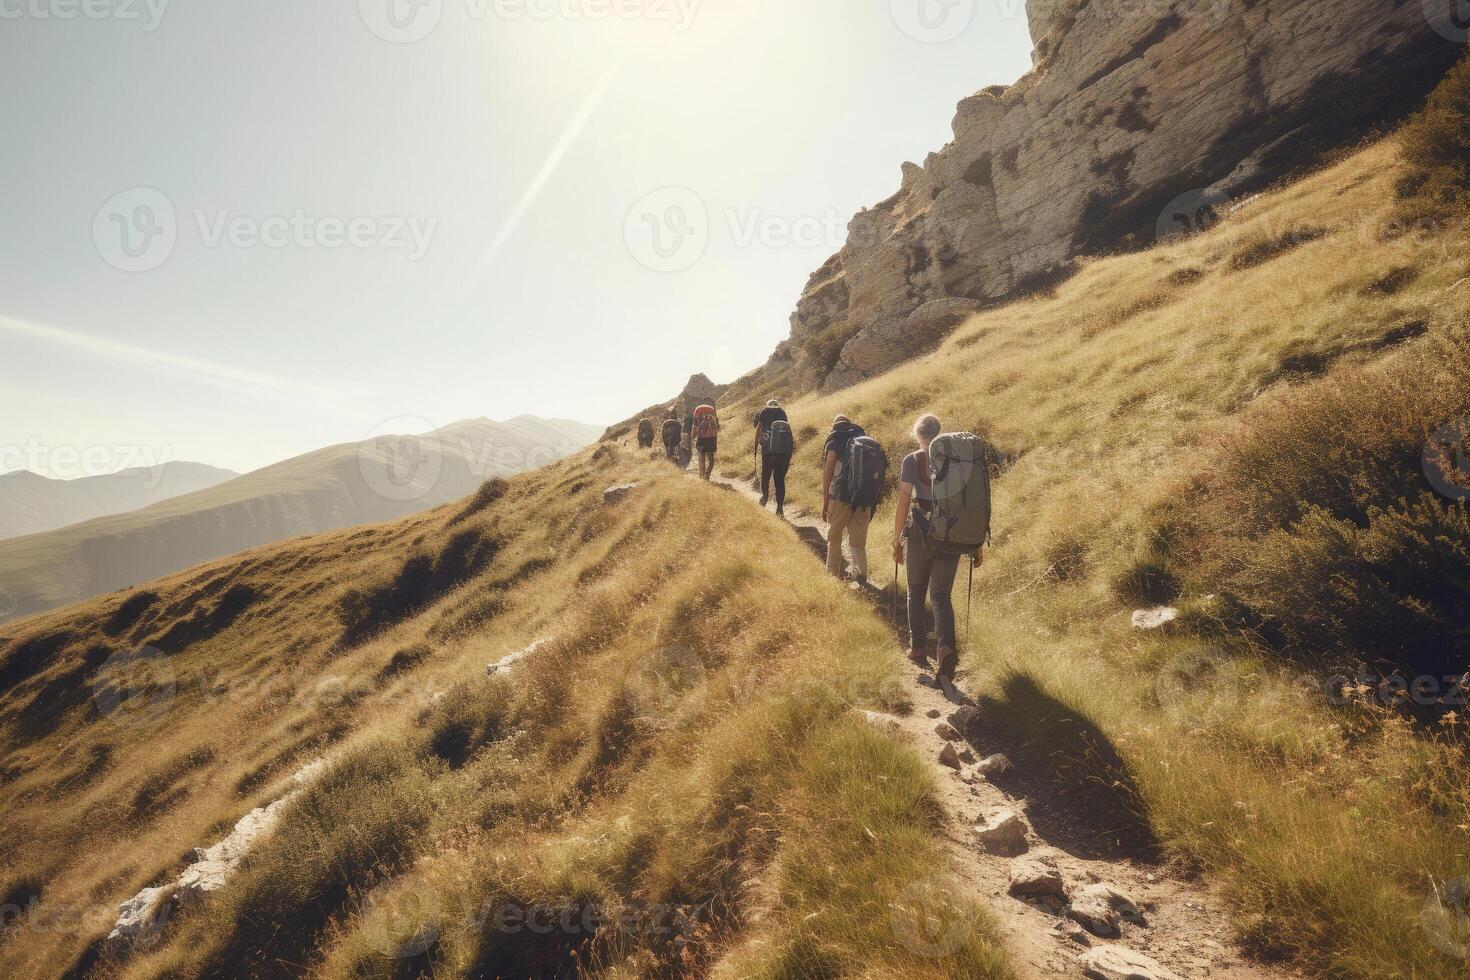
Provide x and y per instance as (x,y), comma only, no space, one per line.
(961,479)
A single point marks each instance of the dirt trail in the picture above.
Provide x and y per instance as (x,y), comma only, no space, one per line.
(1184,927)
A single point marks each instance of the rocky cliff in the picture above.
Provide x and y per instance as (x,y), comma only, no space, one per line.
(1139,116)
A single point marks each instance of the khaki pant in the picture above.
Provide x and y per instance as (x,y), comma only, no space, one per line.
(842,517)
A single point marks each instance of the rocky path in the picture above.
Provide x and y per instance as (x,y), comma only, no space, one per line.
(1061,915)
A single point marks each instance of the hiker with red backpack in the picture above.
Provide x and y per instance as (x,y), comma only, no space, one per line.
(852,485)
(706,436)
(775,444)
(943,515)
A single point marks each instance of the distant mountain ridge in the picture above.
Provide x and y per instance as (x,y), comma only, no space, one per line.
(381,479)
(31,503)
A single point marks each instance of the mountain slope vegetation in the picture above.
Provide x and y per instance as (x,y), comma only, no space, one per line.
(679,765)
(1234,422)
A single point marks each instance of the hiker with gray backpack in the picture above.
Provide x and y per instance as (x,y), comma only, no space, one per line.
(943,515)
(775,444)
(852,486)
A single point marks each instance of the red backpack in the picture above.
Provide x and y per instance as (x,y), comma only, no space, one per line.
(706,422)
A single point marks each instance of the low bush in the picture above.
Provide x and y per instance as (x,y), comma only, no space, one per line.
(1436,147)
(1317,521)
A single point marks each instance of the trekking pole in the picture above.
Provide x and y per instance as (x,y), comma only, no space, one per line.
(895,596)
(969,594)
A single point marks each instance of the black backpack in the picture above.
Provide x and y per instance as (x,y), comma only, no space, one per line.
(672,431)
(645,431)
(863,473)
(779,439)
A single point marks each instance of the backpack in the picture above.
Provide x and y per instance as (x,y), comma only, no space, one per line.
(645,431)
(863,472)
(779,440)
(961,487)
(706,422)
(672,431)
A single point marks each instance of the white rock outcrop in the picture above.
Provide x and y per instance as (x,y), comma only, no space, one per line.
(141,919)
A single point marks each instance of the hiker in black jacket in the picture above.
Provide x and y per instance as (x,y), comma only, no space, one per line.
(843,517)
(672,433)
(775,445)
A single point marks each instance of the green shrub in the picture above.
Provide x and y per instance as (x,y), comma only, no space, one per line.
(1316,519)
(1436,146)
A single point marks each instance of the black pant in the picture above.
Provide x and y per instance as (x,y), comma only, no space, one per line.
(774,466)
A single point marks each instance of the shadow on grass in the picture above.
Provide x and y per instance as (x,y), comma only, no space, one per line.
(1081,795)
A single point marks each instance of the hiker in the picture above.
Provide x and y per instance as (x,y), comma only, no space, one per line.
(686,444)
(706,434)
(673,432)
(852,483)
(774,443)
(942,515)
(645,434)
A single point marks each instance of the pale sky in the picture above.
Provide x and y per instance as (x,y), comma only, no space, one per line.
(233,231)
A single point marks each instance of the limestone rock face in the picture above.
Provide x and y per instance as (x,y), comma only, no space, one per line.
(1136,118)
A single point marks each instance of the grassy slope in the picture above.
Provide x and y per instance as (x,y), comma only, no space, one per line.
(685,745)
(1105,396)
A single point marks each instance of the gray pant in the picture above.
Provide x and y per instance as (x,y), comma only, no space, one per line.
(932,572)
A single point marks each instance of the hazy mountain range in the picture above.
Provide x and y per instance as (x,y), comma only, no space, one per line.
(31,503)
(353,483)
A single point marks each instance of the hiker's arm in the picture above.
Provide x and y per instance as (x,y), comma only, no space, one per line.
(900,519)
(827,472)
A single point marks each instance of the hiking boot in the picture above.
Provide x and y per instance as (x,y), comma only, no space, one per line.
(949,662)
(765,499)
(918,658)
(780,511)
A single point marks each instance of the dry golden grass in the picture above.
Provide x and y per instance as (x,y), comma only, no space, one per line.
(1327,828)
(679,774)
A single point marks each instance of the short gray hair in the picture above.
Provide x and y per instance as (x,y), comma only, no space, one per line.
(927,427)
